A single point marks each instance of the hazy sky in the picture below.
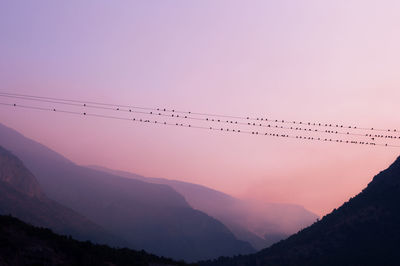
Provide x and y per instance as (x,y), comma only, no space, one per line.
(334,61)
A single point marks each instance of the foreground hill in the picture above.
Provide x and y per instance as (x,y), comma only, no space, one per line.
(153,217)
(260,224)
(23,244)
(22,197)
(364,231)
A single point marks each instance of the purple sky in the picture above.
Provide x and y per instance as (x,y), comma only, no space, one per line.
(334,61)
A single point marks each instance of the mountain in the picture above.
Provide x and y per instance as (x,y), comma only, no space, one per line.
(23,244)
(21,196)
(363,231)
(152,217)
(260,224)
(14,174)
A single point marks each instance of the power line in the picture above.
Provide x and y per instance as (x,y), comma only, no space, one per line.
(249,118)
(230,130)
(260,123)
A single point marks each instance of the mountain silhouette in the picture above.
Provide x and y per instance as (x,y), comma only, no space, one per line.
(23,244)
(153,217)
(22,197)
(260,224)
(363,231)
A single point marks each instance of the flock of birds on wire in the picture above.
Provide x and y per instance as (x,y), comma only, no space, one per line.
(261,126)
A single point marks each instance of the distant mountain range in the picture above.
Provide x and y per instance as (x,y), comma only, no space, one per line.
(22,244)
(259,224)
(363,231)
(153,217)
(22,197)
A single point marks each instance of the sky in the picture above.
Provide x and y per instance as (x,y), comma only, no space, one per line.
(334,61)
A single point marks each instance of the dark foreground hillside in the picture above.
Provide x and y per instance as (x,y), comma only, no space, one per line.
(364,231)
(23,244)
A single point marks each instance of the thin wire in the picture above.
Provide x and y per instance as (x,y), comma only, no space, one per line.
(199,127)
(334,125)
(83,104)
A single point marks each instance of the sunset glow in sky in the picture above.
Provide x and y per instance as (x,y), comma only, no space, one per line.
(333,61)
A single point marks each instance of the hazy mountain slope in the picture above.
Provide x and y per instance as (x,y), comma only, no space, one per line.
(21,196)
(14,174)
(153,217)
(363,231)
(259,224)
(23,244)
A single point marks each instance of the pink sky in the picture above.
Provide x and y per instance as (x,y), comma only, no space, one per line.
(334,61)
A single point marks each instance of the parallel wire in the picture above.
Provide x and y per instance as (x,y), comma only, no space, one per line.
(282,121)
(158,113)
(299,137)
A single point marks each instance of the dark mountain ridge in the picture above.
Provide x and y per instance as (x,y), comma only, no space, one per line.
(363,231)
(23,244)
